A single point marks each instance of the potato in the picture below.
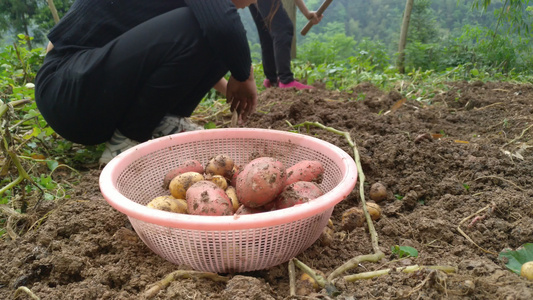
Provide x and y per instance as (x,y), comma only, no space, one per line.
(232,194)
(378,192)
(236,171)
(187,166)
(526,270)
(221,165)
(352,218)
(218,180)
(179,185)
(306,170)
(207,199)
(169,203)
(243,210)
(374,210)
(298,193)
(260,182)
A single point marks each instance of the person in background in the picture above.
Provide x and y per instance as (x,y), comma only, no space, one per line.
(124,72)
(276,32)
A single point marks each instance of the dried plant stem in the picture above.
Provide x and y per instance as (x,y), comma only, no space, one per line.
(378,254)
(467,237)
(517,138)
(321,281)
(292,278)
(27,291)
(502,179)
(408,269)
(180,274)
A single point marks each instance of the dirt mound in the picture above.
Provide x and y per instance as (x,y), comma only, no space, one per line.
(468,150)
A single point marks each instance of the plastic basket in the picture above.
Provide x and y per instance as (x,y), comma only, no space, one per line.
(227,243)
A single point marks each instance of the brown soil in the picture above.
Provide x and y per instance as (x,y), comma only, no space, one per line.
(467,150)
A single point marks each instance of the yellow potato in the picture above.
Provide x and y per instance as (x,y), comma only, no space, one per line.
(218,180)
(527,270)
(374,210)
(232,194)
(179,185)
(169,203)
(221,165)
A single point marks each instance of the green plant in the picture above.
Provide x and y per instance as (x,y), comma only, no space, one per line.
(515,259)
(404,251)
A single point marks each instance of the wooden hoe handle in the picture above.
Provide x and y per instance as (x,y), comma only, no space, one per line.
(319,12)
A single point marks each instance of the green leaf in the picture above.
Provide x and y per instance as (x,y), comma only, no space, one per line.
(515,259)
(404,251)
(52,164)
(210,125)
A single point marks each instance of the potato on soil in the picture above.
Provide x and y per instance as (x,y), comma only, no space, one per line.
(221,165)
(179,185)
(298,193)
(326,238)
(378,192)
(352,218)
(207,199)
(527,270)
(306,285)
(187,166)
(306,170)
(260,182)
(374,210)
(169,203)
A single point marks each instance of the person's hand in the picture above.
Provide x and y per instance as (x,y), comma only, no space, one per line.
(313,17)
(242,96)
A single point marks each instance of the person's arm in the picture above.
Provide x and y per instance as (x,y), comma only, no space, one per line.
(310,15)
(221,86)
(49,47)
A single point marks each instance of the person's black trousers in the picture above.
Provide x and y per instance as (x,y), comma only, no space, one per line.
(163,66)
(275,36)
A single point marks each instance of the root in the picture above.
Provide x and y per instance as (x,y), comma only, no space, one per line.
(490,206)
(321,281)
(502,179)
(27,291)
(292,278)
(180,274)
(408,269)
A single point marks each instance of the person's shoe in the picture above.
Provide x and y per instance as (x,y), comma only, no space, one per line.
(295,84)
(268,84)
(174,124)
(116,145)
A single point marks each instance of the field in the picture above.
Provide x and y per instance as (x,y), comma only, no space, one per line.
(459,177)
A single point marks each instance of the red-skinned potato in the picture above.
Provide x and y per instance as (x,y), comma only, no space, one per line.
(187,166)
(306,170)
(243,210)
(260,182)
(207,199)
(236,171)
(298,193)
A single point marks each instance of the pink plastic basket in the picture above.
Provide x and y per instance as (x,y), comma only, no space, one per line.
(229,243)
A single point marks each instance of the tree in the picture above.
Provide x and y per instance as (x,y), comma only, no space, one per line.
(403,35)
(18,14)
(517,13)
